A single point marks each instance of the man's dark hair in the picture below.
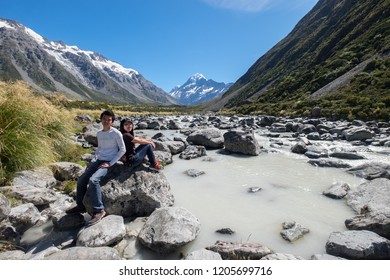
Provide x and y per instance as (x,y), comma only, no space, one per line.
(108,113)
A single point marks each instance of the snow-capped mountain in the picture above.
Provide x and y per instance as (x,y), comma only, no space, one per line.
(198,89)
(80,74)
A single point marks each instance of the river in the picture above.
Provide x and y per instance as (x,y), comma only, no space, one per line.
(291,190)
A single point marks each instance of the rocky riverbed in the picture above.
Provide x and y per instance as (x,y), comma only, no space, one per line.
(140,202)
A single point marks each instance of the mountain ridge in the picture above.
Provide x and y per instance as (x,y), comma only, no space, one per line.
(85,75)
(327,43)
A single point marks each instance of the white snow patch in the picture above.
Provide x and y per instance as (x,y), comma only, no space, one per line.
(6,25)
(35,36)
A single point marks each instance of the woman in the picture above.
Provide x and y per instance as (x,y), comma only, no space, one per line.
(134,156)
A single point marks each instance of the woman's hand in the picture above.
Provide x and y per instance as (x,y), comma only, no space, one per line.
(153,145)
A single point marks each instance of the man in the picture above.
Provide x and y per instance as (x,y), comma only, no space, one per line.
(110,149)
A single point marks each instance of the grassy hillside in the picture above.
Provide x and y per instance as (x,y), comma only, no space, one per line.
(327,44)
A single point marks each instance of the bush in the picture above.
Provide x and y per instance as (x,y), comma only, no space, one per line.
(32,130)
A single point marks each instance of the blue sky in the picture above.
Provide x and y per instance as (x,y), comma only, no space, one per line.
(167,41)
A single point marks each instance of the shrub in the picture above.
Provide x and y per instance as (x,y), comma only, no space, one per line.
(32,130)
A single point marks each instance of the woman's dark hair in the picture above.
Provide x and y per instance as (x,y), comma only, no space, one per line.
(122,129)
(108,113)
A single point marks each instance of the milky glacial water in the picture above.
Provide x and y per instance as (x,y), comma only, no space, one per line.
(291,191)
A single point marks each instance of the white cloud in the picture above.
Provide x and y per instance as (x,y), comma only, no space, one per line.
(242,5)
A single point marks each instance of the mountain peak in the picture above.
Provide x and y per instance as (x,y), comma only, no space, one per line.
(198,76)
(80,74)
(198,89)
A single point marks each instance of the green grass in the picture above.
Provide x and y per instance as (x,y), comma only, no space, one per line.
(33,131)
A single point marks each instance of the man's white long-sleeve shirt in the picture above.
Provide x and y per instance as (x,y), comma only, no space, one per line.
(110,145)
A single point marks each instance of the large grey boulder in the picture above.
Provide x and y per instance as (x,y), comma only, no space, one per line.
(174,125)
(243,142)
(299,148)
(164,157)
(358,245)
(12,255)
(34,186)
(35,195)
(133,192)
(371,170)
(85,253)
(110,230)
(371,200)
(357,133)
(240,251)
(209,138)
(24,216)
(346,155)
(176,147)
(307,128)
(90,132)
(63,171)
(203,254)
(169,228)
(41,177)
(329,163)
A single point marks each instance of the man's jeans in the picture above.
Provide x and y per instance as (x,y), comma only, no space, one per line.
(92,176)
(140,152)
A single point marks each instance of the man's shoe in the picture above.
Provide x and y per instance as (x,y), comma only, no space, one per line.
(96,217)
(75,210)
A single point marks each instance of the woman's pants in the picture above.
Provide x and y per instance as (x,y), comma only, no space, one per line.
(140,152)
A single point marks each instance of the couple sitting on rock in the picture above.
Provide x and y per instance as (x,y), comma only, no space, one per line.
(113,145)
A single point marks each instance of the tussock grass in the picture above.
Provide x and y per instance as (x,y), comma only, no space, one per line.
(33,131)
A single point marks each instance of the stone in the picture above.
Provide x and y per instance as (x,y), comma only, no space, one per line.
(358,245)
(357,134)
(194,172)
(85,253)
(209,138)
(169,228)
(24,216)
(240,251)
(203,254)
(371,200)
(337,190)
(110,230)
(132,192)
(243,142)
(329,163)
(293,231)
(192,152)
(371,170)
(64,171)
